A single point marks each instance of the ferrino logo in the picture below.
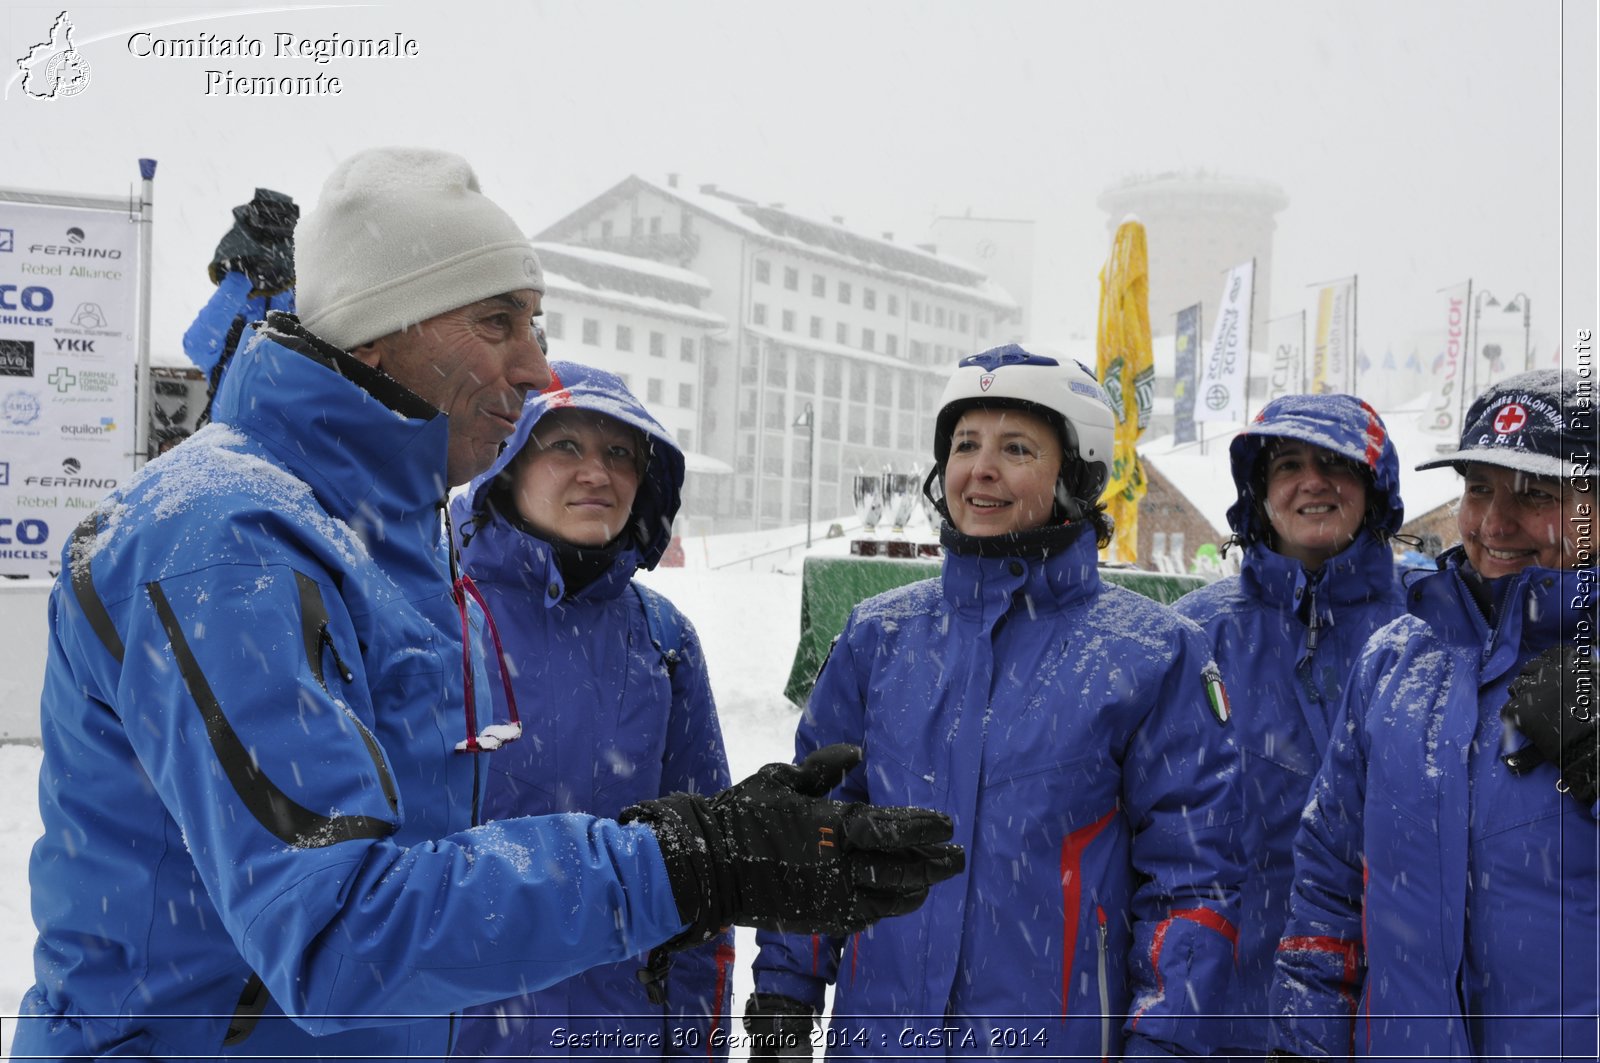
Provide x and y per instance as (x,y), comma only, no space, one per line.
(74,248)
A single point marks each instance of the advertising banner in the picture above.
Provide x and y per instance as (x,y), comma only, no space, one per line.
(1186,344)
(1286,342)
(1332,359)
(68,347)
(1445,410)
(1227,363)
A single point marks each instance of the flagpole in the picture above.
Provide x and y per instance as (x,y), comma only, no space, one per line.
(1461,369)
(1250,345)
(1355,334)
(1305,362)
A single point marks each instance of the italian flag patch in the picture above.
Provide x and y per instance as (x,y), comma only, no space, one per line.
(1216,693)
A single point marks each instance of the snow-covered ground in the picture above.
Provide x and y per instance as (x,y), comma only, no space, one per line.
(749,623)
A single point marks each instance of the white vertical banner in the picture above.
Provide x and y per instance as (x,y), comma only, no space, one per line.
(1286,354)
(68,345)
(1444,411)
(1223,373)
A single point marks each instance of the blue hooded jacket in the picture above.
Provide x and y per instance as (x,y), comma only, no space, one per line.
(252,803)
(1286,640)
(1064,725)
(627,725)
(1445,907)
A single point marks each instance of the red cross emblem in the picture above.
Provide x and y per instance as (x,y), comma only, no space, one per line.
(1510,419)
(984,381)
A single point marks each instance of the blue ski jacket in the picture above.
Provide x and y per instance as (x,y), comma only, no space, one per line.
(1286,640)
(258,834)
(1444,907)
(1065,727)
(616,708)
(218,326)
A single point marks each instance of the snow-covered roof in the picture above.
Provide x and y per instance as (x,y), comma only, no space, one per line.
(789,339)
(644,267)
(694,461)
(558,282)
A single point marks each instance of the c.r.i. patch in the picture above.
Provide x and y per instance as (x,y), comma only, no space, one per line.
(1216,693)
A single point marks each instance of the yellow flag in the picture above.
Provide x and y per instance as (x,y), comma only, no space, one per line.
(1126,368)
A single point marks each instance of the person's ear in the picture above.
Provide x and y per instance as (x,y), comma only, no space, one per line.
(369,354)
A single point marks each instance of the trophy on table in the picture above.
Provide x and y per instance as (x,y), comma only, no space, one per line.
(867,490)
(900,502)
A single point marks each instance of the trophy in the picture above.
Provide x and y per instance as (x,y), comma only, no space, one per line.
(900,499)
(867,489)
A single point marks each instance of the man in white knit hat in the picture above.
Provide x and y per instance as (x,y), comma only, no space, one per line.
(264,704)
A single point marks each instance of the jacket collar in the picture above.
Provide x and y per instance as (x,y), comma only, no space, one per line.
(494,551)
(372,452)
(1361,572)
(1537,608)
(1049,578)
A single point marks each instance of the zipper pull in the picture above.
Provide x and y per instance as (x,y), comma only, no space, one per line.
(1315,624)
(326,638)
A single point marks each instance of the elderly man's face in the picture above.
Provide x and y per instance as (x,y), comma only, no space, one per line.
(475,364)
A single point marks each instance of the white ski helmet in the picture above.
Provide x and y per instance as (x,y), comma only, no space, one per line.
(1042,381)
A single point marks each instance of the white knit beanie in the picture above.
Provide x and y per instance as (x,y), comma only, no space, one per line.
(398,236)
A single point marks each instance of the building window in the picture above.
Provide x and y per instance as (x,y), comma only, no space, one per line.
(791,278)
(686,395)
(816,327)
(591,332)
(554,324)
(655,226)
(841,332)
(832,378)
(938,316)
(686,349)
(624,338)
(983,328)
(685,439)
(916,310)
(775,416)
(919,353)
(858,382)
(772,505)
(830,420)
(658,345)
(962,326)
(636,227)
(891,345)
(894,305)
(778,368)
(857,425)
(906,436)
(805,373)
(885,382)
(880,428)
(819,285)
(772,462)
(605,229)
(788,320)
(868,338)
(869,298)
(653,391)
(844,291)
(763,271)
(758,313)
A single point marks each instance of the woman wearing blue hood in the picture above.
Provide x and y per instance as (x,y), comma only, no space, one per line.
(1077,737)
(616,702)
(1319,498)
(1445,902)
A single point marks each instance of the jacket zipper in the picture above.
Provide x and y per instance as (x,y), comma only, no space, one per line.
(1105,990)
(1315,624)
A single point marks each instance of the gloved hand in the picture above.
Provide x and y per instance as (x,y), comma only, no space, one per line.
(1544,707)
(771,852)
(779,1026)
(261,243)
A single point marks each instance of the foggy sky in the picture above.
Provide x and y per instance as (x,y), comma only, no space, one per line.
(1419,142)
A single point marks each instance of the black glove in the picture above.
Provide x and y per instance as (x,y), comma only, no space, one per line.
(261,243)
(1545,707)
(779,1026)
(771,852)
